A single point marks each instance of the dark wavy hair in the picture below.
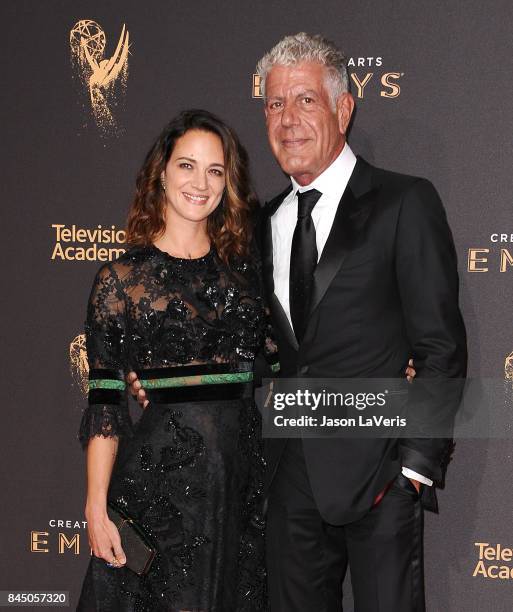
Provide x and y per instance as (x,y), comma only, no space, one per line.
(229,225)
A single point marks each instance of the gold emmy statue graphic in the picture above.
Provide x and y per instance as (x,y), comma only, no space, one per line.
(105,78)
(78,363)
(508,367)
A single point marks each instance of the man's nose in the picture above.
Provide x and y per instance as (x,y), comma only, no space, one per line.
(289,115)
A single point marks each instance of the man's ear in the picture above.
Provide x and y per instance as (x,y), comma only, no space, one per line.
(345,107)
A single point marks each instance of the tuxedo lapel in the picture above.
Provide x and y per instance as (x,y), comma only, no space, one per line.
(352,213)
(280,319)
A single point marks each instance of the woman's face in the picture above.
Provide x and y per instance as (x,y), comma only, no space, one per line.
(195,176)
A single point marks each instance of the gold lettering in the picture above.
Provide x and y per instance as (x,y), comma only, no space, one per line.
(505,572)
(58,252)
(473,260)
(58,228)
(36,541)
(395,90)
(257,86)
(115,253)
(482,546)
(480,569)
(361,84)
(491,571)
(65,543)
(506,258)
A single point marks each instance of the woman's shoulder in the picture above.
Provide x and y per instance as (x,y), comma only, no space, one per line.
(132,260)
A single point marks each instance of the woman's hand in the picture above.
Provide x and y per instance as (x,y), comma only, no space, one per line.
(104,537)
(410,371)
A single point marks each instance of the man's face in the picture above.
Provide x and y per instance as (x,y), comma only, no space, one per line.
(304,131)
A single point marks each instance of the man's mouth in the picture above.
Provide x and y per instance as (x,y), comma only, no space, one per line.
(195,199)
(292,143)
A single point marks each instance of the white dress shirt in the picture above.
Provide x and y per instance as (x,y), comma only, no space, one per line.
(332,184)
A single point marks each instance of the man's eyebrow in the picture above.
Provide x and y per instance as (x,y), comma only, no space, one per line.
(306,92)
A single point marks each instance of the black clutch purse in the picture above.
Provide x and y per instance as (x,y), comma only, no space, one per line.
(138,547)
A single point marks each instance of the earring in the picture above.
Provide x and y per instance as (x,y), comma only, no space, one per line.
(163,183)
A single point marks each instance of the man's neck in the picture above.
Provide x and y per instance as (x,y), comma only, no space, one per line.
(305,179)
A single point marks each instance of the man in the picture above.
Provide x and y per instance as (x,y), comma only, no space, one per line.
(360,271)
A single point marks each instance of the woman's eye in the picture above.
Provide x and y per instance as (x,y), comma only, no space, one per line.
(216,172)
(185,165)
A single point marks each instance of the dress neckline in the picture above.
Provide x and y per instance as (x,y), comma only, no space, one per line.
(207,255)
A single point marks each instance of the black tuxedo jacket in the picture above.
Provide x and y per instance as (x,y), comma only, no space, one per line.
(385,290)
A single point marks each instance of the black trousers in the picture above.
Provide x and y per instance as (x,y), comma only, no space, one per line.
(308,558)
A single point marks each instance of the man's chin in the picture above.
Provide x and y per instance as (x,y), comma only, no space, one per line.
(294,166)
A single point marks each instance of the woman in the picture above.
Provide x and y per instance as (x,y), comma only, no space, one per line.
(183,308)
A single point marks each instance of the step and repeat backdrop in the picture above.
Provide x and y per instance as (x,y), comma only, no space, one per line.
(88,85)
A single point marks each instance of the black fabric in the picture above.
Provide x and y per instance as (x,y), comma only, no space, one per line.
(190,471)
(303,259)
(307,557)
(199,393)
(385,289)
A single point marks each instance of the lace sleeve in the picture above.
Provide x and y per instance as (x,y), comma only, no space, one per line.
(106,413)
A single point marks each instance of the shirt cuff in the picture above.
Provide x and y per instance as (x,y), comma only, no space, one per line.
(411,474)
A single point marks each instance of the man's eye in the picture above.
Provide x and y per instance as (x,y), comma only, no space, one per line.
(308,100)
(275,105)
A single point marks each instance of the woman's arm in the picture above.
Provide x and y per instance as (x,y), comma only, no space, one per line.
(106,417)
(104,537)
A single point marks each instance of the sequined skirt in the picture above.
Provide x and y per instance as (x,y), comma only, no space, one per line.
(192,477)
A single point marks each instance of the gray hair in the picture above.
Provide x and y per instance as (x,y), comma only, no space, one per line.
(303,47)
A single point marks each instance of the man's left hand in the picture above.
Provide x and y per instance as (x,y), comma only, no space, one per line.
(416,484)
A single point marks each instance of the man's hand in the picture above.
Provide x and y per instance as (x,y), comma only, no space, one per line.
(136,389)
(410,375)
(416,484)
(139,394)
(410,371)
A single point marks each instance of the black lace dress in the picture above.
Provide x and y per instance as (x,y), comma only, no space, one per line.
(190,470)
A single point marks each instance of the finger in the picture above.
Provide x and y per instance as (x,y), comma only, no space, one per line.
(410,371)
(409,378)
(106,554)
(130,377)
(119,553)
(146,403)
(136,385)
(141,395)
(410,362)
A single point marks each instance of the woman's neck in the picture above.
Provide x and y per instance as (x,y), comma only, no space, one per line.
(184,238)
